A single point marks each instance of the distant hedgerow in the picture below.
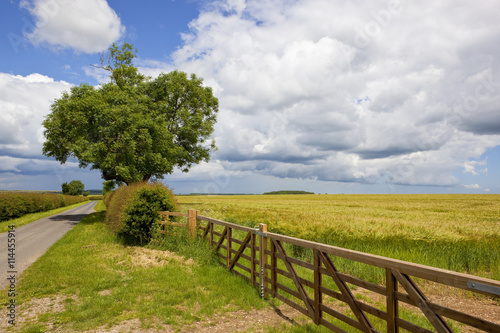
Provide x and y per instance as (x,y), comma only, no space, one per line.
(14,205)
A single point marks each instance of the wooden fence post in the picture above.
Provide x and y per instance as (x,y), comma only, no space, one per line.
(229,234)
(211,230)
(253,258)
(318,298)
(392,302)
(274,274)
(263,259)
(192,214)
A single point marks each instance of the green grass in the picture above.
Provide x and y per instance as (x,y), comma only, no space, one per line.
(28,218)
(98,282)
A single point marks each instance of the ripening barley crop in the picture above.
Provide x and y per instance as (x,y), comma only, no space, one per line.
(460,232)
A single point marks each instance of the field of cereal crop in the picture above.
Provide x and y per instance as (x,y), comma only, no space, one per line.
(456,232)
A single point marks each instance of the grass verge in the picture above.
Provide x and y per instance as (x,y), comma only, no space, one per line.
(28,218)
(89,280)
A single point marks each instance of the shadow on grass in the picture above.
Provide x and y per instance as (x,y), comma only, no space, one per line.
(283,316)
(93,218)
(127,240)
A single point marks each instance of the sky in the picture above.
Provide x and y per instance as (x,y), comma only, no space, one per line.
(326,96)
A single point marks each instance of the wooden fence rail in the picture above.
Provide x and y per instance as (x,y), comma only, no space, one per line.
(190,225)
(332,298)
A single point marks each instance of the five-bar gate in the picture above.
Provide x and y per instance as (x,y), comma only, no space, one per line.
(314,285)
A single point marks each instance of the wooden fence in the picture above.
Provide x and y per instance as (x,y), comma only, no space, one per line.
(313,285)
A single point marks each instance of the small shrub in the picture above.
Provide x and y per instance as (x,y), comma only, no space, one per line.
(133,210)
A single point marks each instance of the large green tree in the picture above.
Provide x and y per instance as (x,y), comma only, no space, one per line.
(133,128)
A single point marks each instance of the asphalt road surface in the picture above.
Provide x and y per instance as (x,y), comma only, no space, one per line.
(34,239)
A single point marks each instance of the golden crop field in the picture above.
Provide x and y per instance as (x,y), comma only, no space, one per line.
(459,232)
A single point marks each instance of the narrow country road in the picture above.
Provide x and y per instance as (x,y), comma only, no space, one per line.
(34,239)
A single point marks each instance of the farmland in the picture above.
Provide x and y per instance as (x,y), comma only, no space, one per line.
(456,232)
(186,289)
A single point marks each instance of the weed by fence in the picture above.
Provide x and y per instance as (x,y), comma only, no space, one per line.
(313,285)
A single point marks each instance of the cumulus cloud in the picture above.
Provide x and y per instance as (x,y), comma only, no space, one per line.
(85,25)
(24,102)
(405,93)
(470,167)
(323,90)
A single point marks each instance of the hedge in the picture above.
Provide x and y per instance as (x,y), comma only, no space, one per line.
(132,211)
(14,205)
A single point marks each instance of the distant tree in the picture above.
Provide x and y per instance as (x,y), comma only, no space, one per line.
(65,188)
(287,192)
(75,187)
(133,128)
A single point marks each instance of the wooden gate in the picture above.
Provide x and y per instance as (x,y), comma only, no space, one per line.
(315,286)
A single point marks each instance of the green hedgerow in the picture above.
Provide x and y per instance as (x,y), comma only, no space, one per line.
(14,205)
(133,210)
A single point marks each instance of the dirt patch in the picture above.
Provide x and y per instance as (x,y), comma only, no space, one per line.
(142,257)
(484,308)
(237,321)
(29,312)
(246,321)
(105,292)
(463,301)
(131,326)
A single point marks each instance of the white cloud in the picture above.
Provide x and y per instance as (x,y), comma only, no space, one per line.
(473,186)
(470,167)
(350,91)
(85,25)
(24,102)
(99,74)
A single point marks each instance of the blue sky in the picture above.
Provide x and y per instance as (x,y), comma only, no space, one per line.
(327,96)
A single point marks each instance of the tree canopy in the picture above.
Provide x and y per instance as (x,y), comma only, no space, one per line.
(133,128)
(75,187)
